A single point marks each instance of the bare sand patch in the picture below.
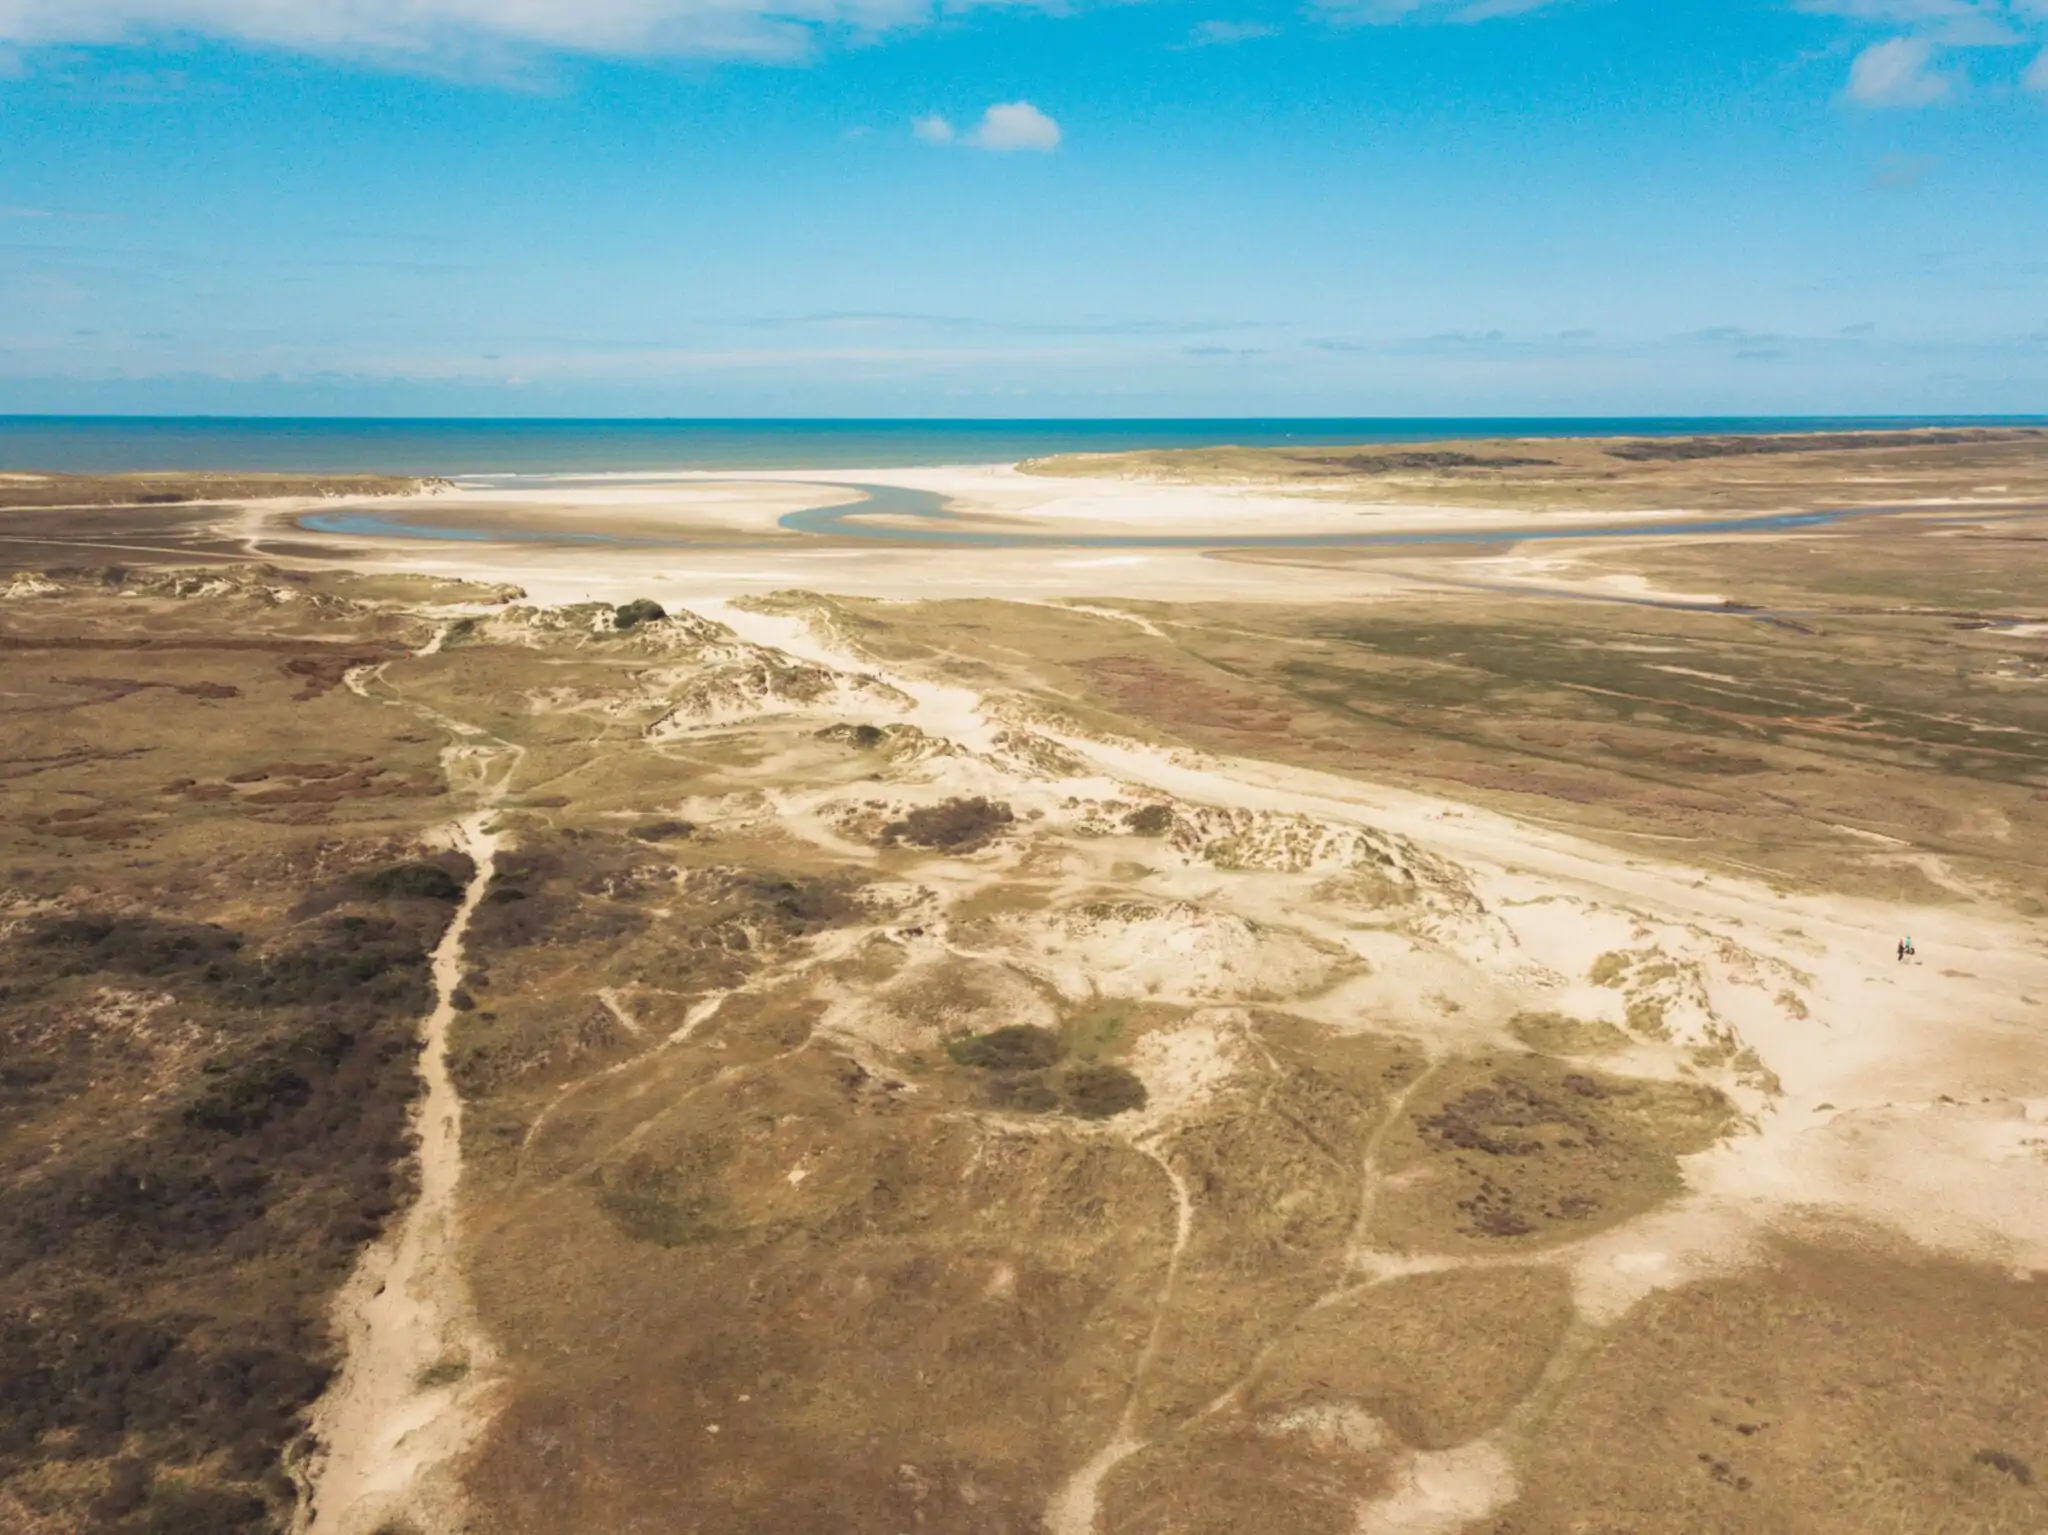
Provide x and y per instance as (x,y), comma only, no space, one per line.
(773,1123)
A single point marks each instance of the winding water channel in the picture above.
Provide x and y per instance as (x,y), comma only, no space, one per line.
(880,510)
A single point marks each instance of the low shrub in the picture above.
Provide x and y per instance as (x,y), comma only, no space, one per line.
(1015,1047)
(1100,1092)
(954,825)
(663,831)
(631,615)
(1150,821)
(417,880)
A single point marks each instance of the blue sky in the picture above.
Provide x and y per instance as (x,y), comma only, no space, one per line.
(879,207)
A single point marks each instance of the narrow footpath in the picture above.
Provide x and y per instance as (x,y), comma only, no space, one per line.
(410,1395)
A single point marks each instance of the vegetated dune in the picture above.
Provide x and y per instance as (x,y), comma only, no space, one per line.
(219,902)
(21,490)
(998,1076)
(1748,472)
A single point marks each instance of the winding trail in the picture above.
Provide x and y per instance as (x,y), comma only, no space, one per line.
(1072,1509)
(410,1395)
(413,1396)
(1894,1153)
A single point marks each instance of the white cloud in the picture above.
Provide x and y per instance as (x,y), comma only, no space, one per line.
(1014,125)
(444,31)
(2036,77)
(1955,23)
(1897,73)
(1381,13)
(1006,127)
(1222,33)
(1902,71)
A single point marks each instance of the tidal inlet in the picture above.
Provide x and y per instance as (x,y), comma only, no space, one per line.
(1491,985)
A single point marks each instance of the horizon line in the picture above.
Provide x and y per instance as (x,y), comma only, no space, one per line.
(2013,418)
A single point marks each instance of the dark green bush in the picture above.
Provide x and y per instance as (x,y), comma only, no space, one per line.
(1025,1095)
(126,1326)
(179,1509)
(1150,821)
(2009,1463)
(1015,1047)
(673,1206)
(420,880)
(631,615)
(1098,1092)
(663,831)
(954,826)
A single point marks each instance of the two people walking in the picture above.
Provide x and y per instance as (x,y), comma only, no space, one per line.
(1906,950)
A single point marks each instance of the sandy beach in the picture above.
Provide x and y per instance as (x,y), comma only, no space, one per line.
(1307,1021)
(587,537)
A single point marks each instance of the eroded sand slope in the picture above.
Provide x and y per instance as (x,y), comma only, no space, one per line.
(892,1103)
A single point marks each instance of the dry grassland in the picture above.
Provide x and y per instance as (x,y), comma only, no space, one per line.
(969,1066)
(19,491)
(1878,724)
(1734,474)
(217,909)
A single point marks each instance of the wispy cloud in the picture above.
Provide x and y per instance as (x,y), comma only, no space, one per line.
(1902,173)
(1735,342)
(1897,73)
(888,319)
(56,215)
(1221,34)
(1383,13)
(462,33)
(1952,23)
(1920,63)
(1005,128)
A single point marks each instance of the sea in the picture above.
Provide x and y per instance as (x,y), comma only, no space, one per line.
(333,445)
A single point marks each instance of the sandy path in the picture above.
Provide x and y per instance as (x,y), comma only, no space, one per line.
(1072,1509)
(1912,1096)
(1905,1099)
(409,1397)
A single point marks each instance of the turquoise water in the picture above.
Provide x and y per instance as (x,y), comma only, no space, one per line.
(114,444)
(851,520)
(924,505)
